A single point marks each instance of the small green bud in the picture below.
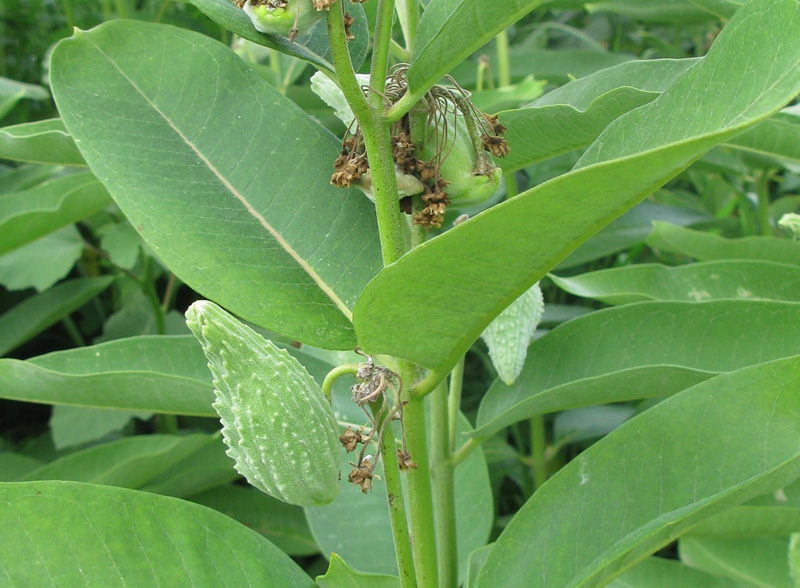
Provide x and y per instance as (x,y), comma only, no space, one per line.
(791,222)
(278,426)
(280,17)
(509,335)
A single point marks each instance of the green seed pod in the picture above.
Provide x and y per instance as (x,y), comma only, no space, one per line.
(277,424)
(467,167)
(509,335)
(278,17)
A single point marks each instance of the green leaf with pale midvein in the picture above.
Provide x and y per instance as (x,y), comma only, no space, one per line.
(644,350)
(750,521)
(40,311)
(130,462)
(704,246)
(432,304)
(223,177)
(693,455)
(777,137)
(452,29)
(42,141)
(713,280)
(73,534)
(751,563)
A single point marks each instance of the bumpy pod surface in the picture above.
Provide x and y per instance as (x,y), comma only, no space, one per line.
(470,180)
(276,422)
(509,335)
(279,21)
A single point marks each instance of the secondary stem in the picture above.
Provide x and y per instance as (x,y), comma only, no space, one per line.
(380,52)
(503,61)
(538,446)
(412,23)
(443,489)
(454,402)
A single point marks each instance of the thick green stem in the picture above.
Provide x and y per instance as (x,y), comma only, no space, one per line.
(443,490)
(152,296)
(511,185)
(420,497)
(344,67)
(463,451)
(538,446)
(73,332)
(380,52)
(167,424)
(335,374)
(762,190)
(397,512)
(412,23)
(503,61)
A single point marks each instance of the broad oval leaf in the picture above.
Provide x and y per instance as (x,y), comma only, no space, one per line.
(450,30)
(644,350)
(43,141)
(74,534)
(30,214)
(705,246)
(312,46)
(223,177)
(43,262)
(433,303)
(777,137)
(702,451)
(713,280)
(35,314)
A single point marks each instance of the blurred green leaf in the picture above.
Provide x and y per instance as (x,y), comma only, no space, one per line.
(707,247)
(749,521)
(655,572)
(26,216)
(754,562)
(73,425)
(713,280)
(35,314)
(43,262)
(44,141)
(340,575)
(14,465)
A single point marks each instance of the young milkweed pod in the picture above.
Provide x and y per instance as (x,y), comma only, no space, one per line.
(276,422)
(509,335)
(281,17)
(468,169)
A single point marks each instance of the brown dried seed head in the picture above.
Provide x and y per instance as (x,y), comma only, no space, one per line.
(404,461)
(362,475)
(348,22)
(494,122)
(349,439)
(323,4)
(497,146)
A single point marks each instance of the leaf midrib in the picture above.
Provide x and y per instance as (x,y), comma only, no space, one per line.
(321,284)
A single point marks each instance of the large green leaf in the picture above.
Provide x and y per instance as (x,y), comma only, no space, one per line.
(433,303)
(707,247)
(130,462)
(644,350)
(73,534)
(26,216)
(311,45)
(702,451)
(745,279)
(43,141)
(655,572)
(750,521)
(575,114)
(752,563)
(452,29)
(282,523)
(224,177)
(35,314)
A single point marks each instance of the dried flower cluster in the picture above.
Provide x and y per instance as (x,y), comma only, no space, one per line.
(371,393)
(447,109)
